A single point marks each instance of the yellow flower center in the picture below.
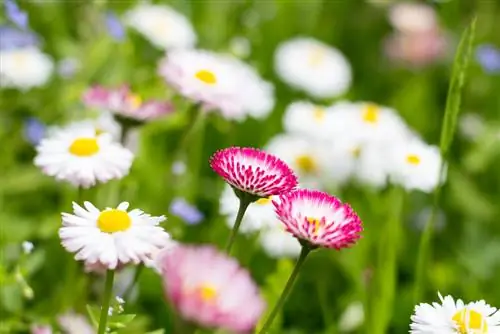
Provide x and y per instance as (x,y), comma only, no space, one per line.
(371,114)
(413,159)
(356,151)
(206,76)
(470,320)
(319,114)
(316,56)
(111,221)
(84,147)
(99,131)
(263,200)
(316,224)
(134,100)
(306,163)
(207,292)
(20,59)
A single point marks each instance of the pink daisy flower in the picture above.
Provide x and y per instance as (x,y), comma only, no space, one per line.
(253,171)
(122,102)
(210,289)
(318,219)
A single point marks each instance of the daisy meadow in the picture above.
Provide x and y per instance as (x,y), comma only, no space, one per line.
(219,82)
(318,219)
(313,66)
(253,172)
(210,289)
(112,237)
(162,26)
(455,317)
(81,157)
(277,243)
(125,104)
(306,118)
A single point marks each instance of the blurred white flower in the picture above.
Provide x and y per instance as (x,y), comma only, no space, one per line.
(219,82)
(352,317)
(81,157)
(372,165)
(74,323)
(416,165)
(178,168)
(412,17)
(306,118)
(277,243)
(103,123)
(240,47)
(27,247)
(315,67)
(162,26)
(24,68)
(471,126)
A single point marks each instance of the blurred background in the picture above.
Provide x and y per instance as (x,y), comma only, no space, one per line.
(390,67)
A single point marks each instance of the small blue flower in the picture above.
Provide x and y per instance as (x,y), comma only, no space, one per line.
(488,56)
(115,27)
(34,130)
(182,209)
(15,14)
(13,38)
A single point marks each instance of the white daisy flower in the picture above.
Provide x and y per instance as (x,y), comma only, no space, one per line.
(219,82)
(317,165)
(416,165)
(455,317)
(303,117)
(74,323)
(162,26)
(103,123)
(81,157)
(310,65)
(413,18)
(27,247)
(277,243)
(372,165)
(24,68)
(259,214)
(352,317)
(112,237)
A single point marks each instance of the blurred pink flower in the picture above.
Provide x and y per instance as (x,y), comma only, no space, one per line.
(121,101)
(210,288)
(412,17)
(253,171)
(318,219)
(41,329)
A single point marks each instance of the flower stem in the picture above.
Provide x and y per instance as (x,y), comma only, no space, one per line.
(130,288)
(108,290)
(286,291)
(244,203)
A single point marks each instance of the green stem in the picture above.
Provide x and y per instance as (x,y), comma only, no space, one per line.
(286,291)
(130,288)
(124,134)
(108,290)
(244,203)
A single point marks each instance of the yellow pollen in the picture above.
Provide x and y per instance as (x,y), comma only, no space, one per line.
(207,292)
(84,147)
(413,159)
(469,321)
(316,56)
(371,114)
(356,151)
(263,200)
(306,163)
(206,76)
(319,114)
(111,221)
(316,223)
(20,59)
(135,100)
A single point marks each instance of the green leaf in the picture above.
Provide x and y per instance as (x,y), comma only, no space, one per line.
(457,83)
(120,320)
(93,312)
(158,331)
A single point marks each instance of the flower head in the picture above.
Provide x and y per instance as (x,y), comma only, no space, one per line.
(318,219)
(81,157)
(74,323)
(253,171)
(124,103)
(310,65)
(34,130)
(210,288)
(488,56)
(24,68)
(13,38)
(27,247)
(454,316)
(162,26)
(187,212)
(15,14)
(112,237)
(411,17)
(115,27)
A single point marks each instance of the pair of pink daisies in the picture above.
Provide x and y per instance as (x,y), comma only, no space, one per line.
(211,289)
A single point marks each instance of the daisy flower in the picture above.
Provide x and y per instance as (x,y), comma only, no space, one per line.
(455,317)
(162,26)
(411,17)
(81,157)
(416,165)
(125,104)
(218,82)
(318,219)
(253,172)
(309,119)
(13,38)
(112,237)
(314,67)
(211,289)
(24,68)
(74,323)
